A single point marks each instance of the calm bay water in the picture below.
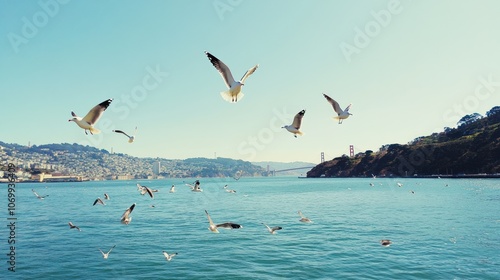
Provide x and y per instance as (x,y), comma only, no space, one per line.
(438,232)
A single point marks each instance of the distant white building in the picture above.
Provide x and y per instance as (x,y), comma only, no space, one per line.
(156,168)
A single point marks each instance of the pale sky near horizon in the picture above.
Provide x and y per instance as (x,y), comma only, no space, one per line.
(409,68)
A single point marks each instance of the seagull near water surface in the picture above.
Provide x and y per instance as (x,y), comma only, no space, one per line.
(303,218)
(106,255)
(295,126)
(168,256)
(126,218)
(272,230)
(88,122)
(234,93)
(341,114)
(72,226)
(39,196)
(214,228)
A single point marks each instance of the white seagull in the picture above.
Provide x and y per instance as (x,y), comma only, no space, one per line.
(295,126)
(195,187)
(72,226)
(342,114)
(106,255)
(144,190)
(106,196)
(92,117)
(131,138)
(168,256)
(39,196)
(273,229)
(229,190)
(98,201)
(228,225)
(234,93)
(126,218)
(172,189)
(303,218)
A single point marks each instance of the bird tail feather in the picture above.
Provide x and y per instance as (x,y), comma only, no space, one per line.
(226,95)
(94,130)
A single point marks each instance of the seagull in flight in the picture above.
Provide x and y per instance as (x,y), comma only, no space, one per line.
(106,196)
(214,228)
(168,256)
(273,229)
(234,93)
(72,226)
(295,126)
(303,218)
(131,138)
(126,218)
(106,255)
(88,122)
(98,201)
(195,187)
(229,190)
(144,190)
(39,196)
(342,114)
(172,189)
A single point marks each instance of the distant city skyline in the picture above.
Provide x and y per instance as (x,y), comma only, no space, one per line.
(409,68)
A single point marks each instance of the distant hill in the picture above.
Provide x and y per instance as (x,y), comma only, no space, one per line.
(471,148)
(93,163)
(273,165)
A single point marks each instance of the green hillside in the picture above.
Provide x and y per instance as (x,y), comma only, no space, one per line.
(471,148)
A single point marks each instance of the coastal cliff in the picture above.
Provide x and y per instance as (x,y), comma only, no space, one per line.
(471,148)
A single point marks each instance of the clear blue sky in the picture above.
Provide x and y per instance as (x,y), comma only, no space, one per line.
(409,68)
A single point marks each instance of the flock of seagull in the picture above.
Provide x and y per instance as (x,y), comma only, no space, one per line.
(126,217)
(233,94)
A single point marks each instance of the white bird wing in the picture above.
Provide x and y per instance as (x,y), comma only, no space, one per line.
(298,119)
(210,219)
(222,68)
(347,108)
(35,193)
(127,212)
(334,104)
(103,254)
(248,73)
(122,132)
(301,215)
(268,228)
(95,113)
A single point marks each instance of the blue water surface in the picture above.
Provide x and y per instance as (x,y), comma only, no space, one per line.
(444,229)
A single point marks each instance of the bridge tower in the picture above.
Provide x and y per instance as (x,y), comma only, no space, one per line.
(322,157)
(351,150)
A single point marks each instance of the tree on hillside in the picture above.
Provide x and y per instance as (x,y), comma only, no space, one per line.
(495,110)
(468,119)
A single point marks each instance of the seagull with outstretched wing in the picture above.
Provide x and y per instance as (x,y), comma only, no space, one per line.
(341,114)
(234,93)
(295,126)
(88,122)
